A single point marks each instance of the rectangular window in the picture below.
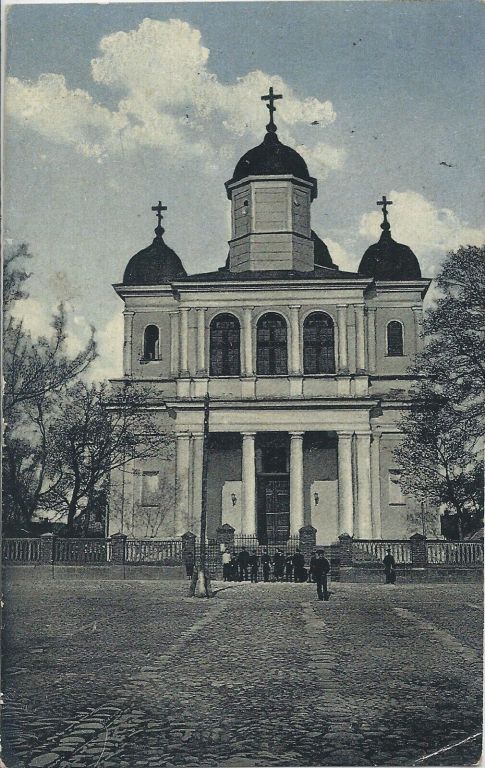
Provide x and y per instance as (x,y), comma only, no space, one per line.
(395,494)
(149,489)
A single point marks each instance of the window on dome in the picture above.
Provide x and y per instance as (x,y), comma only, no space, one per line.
(318,344)
(225,357)
(272,348)
(395,339)
(151,343)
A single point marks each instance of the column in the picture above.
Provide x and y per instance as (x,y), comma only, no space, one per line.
(248,368)
(201,366)
(359,338)
(418,328)
(184,342)
(249,483)
(196,485)
(343,361)
(364,511)
(371,338)
(297,514)
(375,470)
(295,357)
(182,483)
(127,342)
(345,483)
(174,343)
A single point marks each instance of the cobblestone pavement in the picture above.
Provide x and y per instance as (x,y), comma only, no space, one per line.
(122,674)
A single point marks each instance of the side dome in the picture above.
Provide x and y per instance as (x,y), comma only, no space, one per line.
(321,253)
(272,158)
(154,265)
(388,260)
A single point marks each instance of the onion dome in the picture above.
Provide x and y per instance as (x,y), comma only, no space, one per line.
(387,259)
(271,157)
(155,264)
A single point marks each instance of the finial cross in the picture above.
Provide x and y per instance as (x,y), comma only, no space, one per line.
(271,98)
(384,203)
(158,210)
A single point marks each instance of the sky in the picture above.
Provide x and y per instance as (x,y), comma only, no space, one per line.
(109,108)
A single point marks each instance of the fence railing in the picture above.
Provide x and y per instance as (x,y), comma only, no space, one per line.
(367,550)
(454,552)
(153,551)
(82,551)
(21,550)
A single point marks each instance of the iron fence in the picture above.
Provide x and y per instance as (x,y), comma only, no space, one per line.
(82,551)
(153,551)
(21,550)
(371,551)
(455,552)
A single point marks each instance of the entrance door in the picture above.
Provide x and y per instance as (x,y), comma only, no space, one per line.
(273,509)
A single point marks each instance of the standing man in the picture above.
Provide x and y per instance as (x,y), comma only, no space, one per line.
(243,561)
(390,567)
(311,572)
(299,566)
(266,563)
(320,571)
(254,565)
(279,565)
(226,565)
(289,568)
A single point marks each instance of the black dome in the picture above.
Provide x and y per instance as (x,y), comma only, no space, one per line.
(321,253)
(154,265)
(388,260)
(272,158)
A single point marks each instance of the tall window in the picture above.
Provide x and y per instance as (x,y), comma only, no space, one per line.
(149,489)
(225,357)
(151,343)
(394,339)
(318,344)
(272,348)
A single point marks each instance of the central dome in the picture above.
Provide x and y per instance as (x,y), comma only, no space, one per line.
(272,158)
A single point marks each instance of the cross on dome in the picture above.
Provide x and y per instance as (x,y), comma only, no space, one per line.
(384,203)
(158,211)
(271,98)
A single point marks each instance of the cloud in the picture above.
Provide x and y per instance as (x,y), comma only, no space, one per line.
(109,363)
(322,158)
(168,98)
(37,320)
(340,256)
(428,230)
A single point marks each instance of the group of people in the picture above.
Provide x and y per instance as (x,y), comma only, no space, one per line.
(245,566)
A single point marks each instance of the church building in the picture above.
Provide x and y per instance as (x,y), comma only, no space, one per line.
(306,367)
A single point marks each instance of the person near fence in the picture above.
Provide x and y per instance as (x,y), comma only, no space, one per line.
(254,566)
(189,564)
(389,567)
(320,571)
(289,568)
(226,565)
(243,560)
(234,568)
(311,570)
(279,565)
(299,566)
(266,565)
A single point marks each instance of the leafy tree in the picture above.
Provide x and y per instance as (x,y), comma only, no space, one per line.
(440,457)
(35,372)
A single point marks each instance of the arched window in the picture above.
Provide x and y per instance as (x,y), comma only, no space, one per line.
(318,344)
(225,358)
(151,343)
(394,339)
(271,344)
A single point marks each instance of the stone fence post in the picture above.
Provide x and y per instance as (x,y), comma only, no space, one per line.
(118,541)
(225,535)
(308,541)
(47,548)
(419,550)
(346,550)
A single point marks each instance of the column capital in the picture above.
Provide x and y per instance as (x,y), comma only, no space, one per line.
(371,309)
(296,435)
(173,311)
(198,435)
(248,434)
(182,435)
(248,309)
(363,433)
(128,312)
(294,306)
(342,306)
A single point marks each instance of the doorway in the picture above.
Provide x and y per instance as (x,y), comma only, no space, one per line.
(273,489)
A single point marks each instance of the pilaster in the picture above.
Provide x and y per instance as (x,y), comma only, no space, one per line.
(249,483)
(127,342)
(297,516)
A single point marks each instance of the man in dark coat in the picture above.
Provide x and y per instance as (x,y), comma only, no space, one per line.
(320,572)
(390,567)
(266,564)
(243,561)
(313,560)
(289,568)
(254,565)
(279,565)
(299,566)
